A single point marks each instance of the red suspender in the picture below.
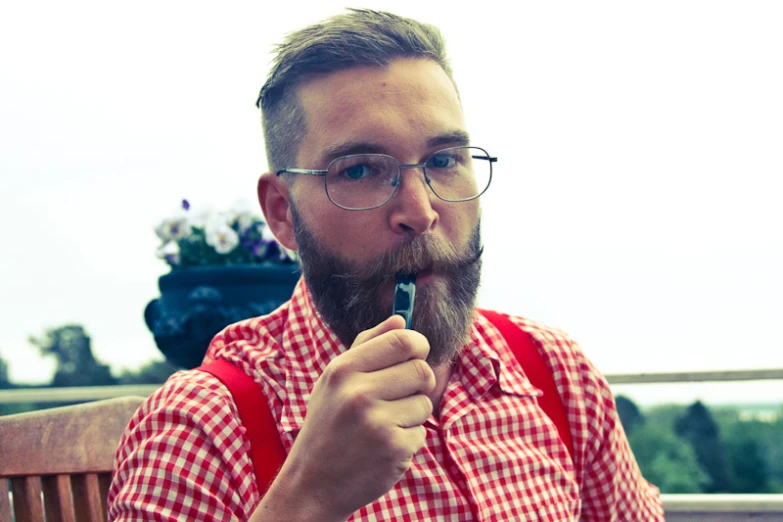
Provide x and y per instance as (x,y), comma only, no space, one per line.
(266,450)
(536,371)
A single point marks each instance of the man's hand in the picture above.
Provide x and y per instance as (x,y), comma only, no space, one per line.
(363,424)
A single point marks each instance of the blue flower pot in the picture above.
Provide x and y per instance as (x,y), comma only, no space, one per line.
(198,302)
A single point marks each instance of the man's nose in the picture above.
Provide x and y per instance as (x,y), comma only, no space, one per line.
(411,207)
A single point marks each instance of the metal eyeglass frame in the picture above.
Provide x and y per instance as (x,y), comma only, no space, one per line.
(396,181)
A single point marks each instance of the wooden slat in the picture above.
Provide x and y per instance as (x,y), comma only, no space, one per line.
(5,501)
(81,438)
(58,502)
(104,481)
(87,498)
(27,499)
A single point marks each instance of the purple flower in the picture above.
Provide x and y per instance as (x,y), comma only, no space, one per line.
(169,252)
(185,204)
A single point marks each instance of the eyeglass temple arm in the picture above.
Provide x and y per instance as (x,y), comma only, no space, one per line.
(491,159)
(303,171)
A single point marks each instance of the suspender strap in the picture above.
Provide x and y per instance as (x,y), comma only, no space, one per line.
(266,449)
(537,371)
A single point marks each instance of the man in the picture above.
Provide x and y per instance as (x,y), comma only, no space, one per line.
(372,175)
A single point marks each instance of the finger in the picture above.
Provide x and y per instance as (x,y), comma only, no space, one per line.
(408,412)
(395,322)
(414,438)
(389,348)
(402,380)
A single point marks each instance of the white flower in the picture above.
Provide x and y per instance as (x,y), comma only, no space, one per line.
(170,252)
(173,228)
(221,237)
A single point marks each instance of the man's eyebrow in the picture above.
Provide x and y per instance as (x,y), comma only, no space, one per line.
(353,147)
(450,138)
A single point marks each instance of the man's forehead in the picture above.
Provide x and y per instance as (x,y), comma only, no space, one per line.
(375,104)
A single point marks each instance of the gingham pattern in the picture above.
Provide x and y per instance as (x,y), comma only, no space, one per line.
(491,455)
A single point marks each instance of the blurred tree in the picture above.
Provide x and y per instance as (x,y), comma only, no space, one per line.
(699,428)
(667,460)
(744,444)
(154,372)
(725,416)
(775,453)
(76,365)
(4,381)
(630,416)
(664,414)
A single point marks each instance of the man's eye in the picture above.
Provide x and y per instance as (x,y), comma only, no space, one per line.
(357,171)
(442,161)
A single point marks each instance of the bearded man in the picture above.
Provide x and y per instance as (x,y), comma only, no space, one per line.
(372,175)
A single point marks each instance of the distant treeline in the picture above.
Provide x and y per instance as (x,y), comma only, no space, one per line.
(77,366)
(695,449)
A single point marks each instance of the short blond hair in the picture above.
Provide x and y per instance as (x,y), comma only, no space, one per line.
(359,38)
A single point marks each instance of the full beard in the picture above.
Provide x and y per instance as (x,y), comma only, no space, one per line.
(350,296)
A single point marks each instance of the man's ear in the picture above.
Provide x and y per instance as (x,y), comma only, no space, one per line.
(274,197)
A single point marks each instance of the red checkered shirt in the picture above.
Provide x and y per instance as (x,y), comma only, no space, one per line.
(492,453)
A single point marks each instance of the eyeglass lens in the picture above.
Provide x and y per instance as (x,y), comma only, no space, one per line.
(366,181)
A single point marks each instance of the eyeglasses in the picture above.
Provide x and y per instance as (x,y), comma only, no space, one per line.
(368,181)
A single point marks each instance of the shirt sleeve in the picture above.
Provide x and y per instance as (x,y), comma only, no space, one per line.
(184,456)
(613,488)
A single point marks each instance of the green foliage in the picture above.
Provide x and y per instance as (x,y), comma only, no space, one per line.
(744,446)
(699,428)
(751,449)
(154,372)
(754,453)
(666,460)
(4,381)
(76,365)
(629,413)
(665,414)
(774,445)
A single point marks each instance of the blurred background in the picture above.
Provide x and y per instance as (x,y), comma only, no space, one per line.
(635,204)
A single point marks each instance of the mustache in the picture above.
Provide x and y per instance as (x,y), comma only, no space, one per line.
(414,256)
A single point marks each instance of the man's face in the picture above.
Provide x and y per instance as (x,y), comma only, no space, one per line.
(407,110)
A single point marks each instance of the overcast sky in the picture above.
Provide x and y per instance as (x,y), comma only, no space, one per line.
(636,203)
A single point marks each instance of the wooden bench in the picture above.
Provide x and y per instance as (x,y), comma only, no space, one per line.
(59,461)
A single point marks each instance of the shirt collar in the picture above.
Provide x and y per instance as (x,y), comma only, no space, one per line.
(487,360)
